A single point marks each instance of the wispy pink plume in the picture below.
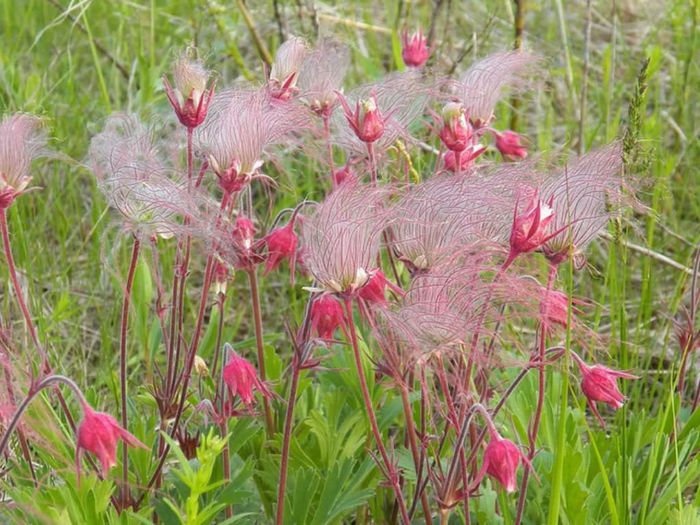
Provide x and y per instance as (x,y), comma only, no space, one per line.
(586,193)
(322,73)
(134,179)
(242,124)
(341,237)
(443,306)
(284,73)
(438,217)
(401,99)
(481,86)
(22,139)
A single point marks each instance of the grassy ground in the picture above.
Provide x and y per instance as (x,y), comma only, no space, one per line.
(74,62)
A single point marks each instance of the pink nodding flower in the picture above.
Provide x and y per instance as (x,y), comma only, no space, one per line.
(374,291)
(455,132)
(190,99)
(326,316)
(414,51)
(281,244)
(599,384)
(221,275)
(466,158)
(530,228)
(241,378)
(502,458)
(99,433)
(21,141)
(366,120)
(508,143)
(285,69)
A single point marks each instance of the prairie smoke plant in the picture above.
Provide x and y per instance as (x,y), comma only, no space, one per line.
(99,433)
(341,237)
(321,74)
(242,125)
(584,196)
(242,380)
(502,458)
(599,384)
(191,97)
(326,316)
(509,145)
(22,139)
(400,99)
(135,180)
(481,86)
(414,49)
(285,69)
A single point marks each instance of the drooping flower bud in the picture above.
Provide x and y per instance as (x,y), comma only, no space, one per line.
(414,49)
(599,384)
(530,229)
(99,433)
(190,99)
(285,69)
(281,244)
(326,316)
(242,380)
(502,458)
(508,143)
(456,133)
(366,120)
(244,232)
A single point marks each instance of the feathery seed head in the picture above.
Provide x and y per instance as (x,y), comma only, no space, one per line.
(21,141)
(285,69)
(190,99)
(321,74)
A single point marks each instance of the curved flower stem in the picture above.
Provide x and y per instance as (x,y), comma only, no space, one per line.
(259,343)
(390,470)
(535,428)
(122,363)
(33,392)
(18,289)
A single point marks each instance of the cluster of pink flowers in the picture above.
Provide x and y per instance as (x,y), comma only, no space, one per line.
(435,267)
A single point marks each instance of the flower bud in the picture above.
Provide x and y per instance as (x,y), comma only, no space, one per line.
(530,229)
(190,99)
(99,433)
(281,244)
(456,132)
(414,49)
(326,316)
(241,378)
(508,143)
(502,458)
(366,120)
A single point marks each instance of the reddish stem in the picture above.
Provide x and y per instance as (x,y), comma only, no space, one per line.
(390,470)
(259,343)
(534,430)
(122,363)
(18,289)
(286,441)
